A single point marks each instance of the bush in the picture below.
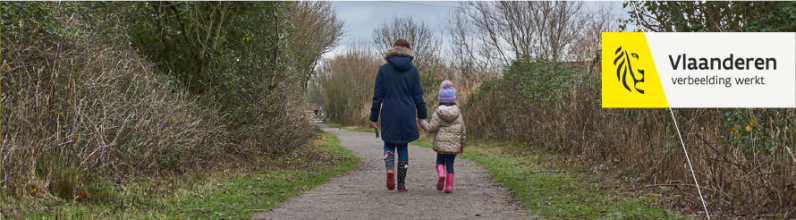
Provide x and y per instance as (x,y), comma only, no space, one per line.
(241,60)
(743,155)
(74,103)
(526,86)
(82,108)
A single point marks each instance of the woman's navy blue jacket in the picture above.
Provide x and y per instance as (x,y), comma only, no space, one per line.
(398,96)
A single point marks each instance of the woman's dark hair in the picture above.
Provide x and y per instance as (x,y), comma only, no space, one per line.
(448,104)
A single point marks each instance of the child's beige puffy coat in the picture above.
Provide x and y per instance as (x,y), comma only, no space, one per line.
(448,125)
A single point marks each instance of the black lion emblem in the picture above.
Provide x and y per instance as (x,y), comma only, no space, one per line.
(624,67)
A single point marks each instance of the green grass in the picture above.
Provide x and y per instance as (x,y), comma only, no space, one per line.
(561,194)
(350,128)
(231,194)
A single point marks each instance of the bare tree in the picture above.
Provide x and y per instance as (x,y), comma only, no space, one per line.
(589,42)
(424,43)
(318,30)
(504,31)
(560,24)
(463,53)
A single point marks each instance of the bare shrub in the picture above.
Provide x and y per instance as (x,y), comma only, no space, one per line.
(76,99)
(348,80)
(278,125)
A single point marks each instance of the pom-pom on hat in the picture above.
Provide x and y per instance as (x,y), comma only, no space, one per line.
(447,94)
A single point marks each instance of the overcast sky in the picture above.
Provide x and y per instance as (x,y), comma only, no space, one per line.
(362,17)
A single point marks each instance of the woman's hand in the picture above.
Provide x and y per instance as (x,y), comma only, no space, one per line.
(373,123)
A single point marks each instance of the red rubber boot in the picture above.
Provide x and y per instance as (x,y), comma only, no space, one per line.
(390,180)
(389,160)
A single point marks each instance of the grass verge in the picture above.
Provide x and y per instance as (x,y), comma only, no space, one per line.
(562,191)
(350,128)
(230,194)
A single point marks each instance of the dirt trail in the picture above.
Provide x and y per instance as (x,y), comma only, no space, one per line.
(361,194)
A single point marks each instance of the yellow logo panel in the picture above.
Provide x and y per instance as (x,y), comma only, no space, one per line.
(629,77)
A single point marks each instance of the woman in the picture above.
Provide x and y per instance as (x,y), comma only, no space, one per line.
(398,91)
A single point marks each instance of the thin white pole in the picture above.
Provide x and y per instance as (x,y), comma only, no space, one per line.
(689,164)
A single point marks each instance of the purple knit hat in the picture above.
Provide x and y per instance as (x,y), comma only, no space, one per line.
(447,94)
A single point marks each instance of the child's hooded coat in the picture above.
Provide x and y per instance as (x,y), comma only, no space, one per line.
(451,134)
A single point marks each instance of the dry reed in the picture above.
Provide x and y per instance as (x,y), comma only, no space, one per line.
(644,141)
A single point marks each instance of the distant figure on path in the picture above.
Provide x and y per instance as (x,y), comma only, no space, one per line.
(450,135)
(399,97)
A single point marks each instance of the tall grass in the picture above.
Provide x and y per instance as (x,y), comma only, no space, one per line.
(556,108)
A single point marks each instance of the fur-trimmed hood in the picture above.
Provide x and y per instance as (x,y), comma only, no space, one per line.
(400,58)
(399,51)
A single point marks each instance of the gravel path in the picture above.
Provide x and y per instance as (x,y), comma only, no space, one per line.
(361,193)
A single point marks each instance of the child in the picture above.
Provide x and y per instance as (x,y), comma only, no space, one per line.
(450,136)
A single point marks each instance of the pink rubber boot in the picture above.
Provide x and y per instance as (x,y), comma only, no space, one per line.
(449,187)
(441,173)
